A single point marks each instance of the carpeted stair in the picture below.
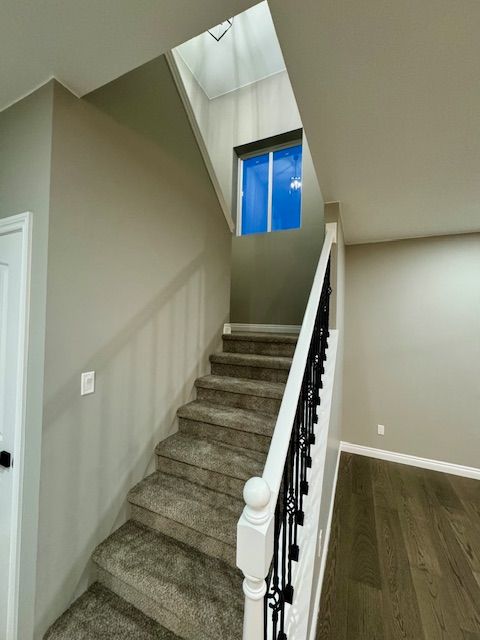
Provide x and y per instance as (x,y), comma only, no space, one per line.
(169,572)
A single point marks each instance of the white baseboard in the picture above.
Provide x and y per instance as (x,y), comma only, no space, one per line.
(414,461)
(326,543)
(261,328)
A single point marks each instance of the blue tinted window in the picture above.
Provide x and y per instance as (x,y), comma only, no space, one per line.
(287,188)
(275,206)
(255,194)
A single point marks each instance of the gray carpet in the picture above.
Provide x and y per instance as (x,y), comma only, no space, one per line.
(100,614)
(201,517)
(169,572)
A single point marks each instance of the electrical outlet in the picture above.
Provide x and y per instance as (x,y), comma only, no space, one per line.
(381,429)
(87,383)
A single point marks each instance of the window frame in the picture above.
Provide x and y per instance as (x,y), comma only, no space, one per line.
(260,151)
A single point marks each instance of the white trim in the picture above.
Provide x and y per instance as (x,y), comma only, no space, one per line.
(413,461)
(270,192)
(261,328)
(239,196)
(172,63)
(333,227)
(326,544)
(23,223)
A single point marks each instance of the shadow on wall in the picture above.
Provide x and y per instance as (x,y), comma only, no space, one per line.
(143,374)
(138,282)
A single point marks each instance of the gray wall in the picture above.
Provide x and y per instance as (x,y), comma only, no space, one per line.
(138,290)
(25,149)
(412,355)
(271,273)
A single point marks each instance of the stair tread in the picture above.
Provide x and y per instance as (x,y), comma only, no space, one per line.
(252,360)
(100,613)
(289,338)
(230,417)
(209,512)
(244,386)
(177,576)
(213,455)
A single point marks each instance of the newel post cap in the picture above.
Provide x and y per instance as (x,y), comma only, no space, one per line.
(256,494)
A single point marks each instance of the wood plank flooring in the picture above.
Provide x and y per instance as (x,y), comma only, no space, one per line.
(404,555)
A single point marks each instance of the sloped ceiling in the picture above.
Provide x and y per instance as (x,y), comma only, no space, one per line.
(87,43)
(248,52)
(389,94)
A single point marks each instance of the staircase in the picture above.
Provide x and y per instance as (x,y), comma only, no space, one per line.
(169,572)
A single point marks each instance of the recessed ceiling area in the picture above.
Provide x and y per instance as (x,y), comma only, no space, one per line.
(248,52)
(85,44)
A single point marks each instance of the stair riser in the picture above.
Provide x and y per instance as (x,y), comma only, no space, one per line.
(259,348)
(205,477)
(234,437)
(179,622)
(252,373)
(240,400)
(206,544)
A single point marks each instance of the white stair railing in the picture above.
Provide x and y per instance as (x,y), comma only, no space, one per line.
(269,529)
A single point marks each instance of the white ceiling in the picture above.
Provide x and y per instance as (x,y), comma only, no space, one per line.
(389,94)
(87,43)
(248,52)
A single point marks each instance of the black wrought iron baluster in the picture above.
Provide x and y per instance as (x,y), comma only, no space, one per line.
(317,356)
(290,510)
(299,513)
(303,446)
(287,596)
(292,504)
(325,305)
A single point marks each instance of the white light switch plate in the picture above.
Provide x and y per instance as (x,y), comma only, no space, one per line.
(381,430)
(87,383)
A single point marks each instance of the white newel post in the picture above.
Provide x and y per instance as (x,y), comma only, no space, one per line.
(255,553)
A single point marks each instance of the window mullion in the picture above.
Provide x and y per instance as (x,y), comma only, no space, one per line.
(270,191)
(240,198)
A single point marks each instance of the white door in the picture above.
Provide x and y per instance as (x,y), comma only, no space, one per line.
(11,355)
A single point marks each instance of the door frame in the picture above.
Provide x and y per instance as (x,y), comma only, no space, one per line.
(19,223)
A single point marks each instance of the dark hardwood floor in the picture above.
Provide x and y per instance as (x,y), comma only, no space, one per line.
(404,555)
